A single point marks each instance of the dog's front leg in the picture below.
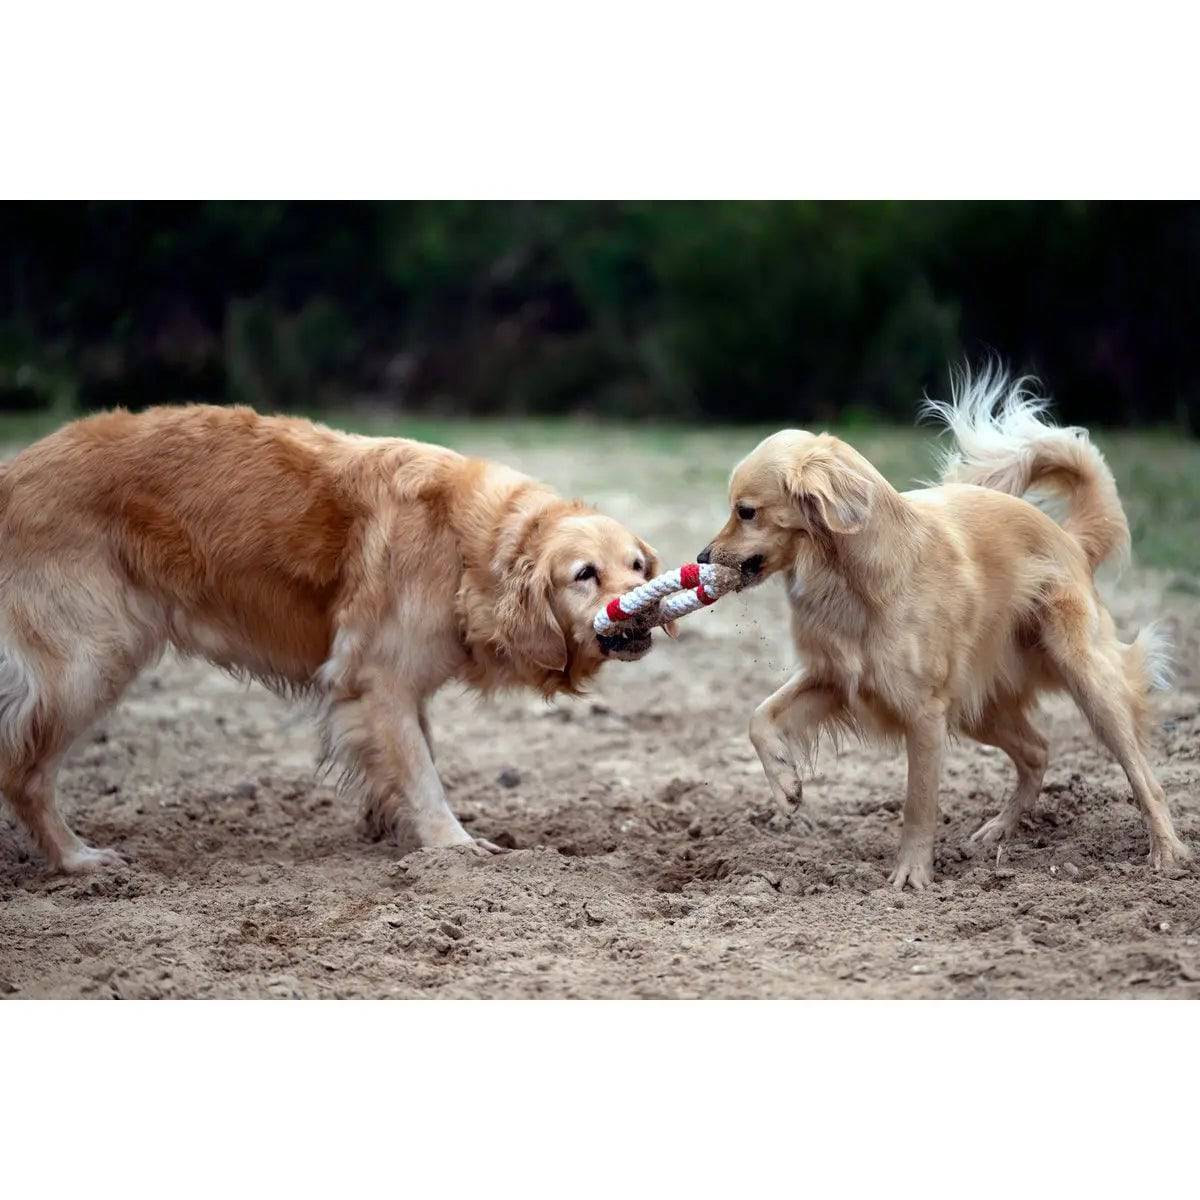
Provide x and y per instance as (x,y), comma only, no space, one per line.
(784,730)
(379,735)
(926,746)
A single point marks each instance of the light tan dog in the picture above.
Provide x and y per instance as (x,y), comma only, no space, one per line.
(367,572)
(946,610)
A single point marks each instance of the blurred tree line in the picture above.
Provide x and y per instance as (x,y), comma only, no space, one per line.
(779,311)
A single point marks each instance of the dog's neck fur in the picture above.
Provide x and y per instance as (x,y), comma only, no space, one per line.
(875,562)
(501,514)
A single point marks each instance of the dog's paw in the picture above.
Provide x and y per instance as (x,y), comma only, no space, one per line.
(998,829)
(914,868)
(798,820)
(1165,855)
(785,782)
(88,859)
(788,817)
(484,848)
(470,847)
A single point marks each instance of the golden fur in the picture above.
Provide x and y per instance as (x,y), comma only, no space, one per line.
(945,610)
(367,572)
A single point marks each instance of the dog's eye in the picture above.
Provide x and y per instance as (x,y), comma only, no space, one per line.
(746,512)
(638,565)
(585,572)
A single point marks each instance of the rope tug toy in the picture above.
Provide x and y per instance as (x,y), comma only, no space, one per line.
(623,626)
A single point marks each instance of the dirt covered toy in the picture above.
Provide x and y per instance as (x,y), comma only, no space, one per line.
(623,626)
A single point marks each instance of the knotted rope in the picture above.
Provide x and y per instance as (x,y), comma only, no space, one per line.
(666,597)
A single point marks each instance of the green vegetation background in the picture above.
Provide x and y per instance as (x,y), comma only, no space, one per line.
(802,312)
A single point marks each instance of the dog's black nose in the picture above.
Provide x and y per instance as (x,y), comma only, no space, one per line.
(705,555)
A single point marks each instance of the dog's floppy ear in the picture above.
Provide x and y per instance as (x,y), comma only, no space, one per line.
(653,564)
(654,567)
(526,626)
(835,492)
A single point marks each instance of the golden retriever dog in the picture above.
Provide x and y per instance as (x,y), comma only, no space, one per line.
(366,572)
(946,610)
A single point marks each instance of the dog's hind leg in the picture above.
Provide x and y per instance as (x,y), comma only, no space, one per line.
(1010,730)
(785,729)
(31,793)
(67,652)
(36,734)
(1093,666)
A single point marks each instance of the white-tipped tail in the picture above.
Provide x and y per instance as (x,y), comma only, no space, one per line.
(1154,649)
(1003,440)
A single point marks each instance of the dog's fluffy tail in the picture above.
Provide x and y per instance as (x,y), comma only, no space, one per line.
(1148,658)
(1004,441)
(1148,669)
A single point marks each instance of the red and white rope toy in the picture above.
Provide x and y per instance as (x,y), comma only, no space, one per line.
(664,598)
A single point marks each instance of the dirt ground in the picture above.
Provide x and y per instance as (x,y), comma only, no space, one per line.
(642,863)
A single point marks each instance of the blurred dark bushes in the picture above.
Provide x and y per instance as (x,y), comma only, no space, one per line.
(726,311)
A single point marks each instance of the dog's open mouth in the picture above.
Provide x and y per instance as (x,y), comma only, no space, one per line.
(628,647)
(751,570)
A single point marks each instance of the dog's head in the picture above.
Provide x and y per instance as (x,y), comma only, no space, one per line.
(793,485)
(557,570)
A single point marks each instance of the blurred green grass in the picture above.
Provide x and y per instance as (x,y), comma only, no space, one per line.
(1157,472)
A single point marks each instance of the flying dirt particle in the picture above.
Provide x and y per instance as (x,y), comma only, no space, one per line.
(510,777)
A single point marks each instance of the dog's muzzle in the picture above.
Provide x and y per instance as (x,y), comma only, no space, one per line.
(750,567)
(628,647)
